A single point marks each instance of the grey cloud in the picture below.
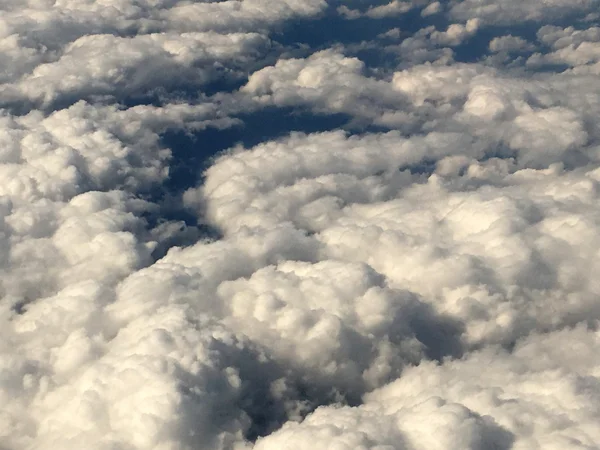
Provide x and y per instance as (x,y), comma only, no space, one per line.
(510,44)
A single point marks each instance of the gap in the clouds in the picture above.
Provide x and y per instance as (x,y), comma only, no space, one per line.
(423,167)
(331,30)
(182,94)
(477,46)
(363,37)
(193,152)
(500,151)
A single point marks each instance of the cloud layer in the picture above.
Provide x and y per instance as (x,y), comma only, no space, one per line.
(422,277)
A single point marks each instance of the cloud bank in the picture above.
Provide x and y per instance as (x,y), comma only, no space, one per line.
(299,224)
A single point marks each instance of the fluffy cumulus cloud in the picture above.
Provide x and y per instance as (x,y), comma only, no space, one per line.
(548,403)
(577,49)
(515,11)
(393,8)
(260,224)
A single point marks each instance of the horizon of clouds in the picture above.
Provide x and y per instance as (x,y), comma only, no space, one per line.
(251,224)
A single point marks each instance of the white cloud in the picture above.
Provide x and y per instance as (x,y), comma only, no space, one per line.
(517,11)
(456,33)
(118,66)
(431,9)
(494,247)
(79,49)
(234,14)
(393,8)
(579,49)
(424,279)
(350,14)
(540,396)
(510,44)
(326,81)
(458,97)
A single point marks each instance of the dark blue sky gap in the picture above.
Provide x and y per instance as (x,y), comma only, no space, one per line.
(193,152)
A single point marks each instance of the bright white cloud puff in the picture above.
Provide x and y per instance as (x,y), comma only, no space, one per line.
(261,224)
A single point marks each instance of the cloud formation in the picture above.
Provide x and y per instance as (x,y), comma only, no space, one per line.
(422,277)
(470,405)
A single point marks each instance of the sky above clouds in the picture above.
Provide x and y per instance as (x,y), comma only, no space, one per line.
(299,224)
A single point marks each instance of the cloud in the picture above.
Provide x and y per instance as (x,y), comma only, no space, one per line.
(326,81)
(393,8)
(579,49)
(376,211)
(233,15)
(510,44)
(382,9)
(421,277)
(117,66)
(131,48)
(456,33)
(432,8)
(535,397)
(514,11)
